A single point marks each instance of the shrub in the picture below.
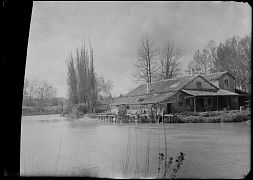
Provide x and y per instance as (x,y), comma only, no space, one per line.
(83,108)
(99,110)
(75,114)
(216,116)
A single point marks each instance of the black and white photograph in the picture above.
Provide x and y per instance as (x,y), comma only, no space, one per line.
(146,89)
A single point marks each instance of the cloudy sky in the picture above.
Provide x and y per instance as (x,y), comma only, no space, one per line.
(115,29)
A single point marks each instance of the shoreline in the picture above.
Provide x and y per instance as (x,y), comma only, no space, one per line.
(184,117)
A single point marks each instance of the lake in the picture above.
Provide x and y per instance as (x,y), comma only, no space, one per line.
(55,146)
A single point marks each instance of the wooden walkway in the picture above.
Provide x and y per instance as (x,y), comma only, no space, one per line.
(131,118)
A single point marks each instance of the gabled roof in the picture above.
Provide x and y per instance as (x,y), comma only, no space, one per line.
(215,76)
(220,92)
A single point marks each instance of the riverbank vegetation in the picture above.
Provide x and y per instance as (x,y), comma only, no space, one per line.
(39,98)
(213,116)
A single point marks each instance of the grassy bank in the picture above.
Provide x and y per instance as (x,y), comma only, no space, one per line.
(33,111)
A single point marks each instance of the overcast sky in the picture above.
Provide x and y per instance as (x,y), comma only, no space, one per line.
(115,29)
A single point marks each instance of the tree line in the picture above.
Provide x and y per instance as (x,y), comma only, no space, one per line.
(154,64)
(85,87)
(39,94)
(232,55)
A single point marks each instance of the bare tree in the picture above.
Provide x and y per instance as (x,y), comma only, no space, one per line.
(211,54)
(38,93)
(104,87)
(169,64)
(204,61)
(146,65)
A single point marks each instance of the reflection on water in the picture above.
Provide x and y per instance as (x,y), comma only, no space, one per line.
(53,145)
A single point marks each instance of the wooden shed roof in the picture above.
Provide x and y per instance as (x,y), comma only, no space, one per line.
(220,92)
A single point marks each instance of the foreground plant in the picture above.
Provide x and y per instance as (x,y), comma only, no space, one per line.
(170,167)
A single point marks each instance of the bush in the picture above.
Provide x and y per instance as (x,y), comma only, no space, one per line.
(216,116)
(83,108)
(75,114)
(99,110)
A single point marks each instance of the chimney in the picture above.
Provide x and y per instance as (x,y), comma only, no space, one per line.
(192,72)
(147,88)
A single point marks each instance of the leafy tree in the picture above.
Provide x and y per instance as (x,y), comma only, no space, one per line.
(233,55)
(82,86)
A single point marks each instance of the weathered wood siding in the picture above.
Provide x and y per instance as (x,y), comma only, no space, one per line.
(231,82)
(179,102)
(204,84)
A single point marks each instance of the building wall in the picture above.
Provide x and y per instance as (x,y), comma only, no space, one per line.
(231,82)
(179,100)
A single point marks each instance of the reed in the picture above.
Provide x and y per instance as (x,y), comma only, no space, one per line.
(148,149)
(59,155)
(136,155)
(128,153)
(165,147)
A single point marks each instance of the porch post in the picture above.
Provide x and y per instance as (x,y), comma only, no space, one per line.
(194,103)
(227,103)
(217,104)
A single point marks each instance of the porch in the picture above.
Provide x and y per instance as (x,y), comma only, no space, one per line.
(210,103)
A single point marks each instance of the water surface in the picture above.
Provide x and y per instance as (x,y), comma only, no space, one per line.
(53,145)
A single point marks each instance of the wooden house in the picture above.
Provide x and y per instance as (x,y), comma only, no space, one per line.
(189,93)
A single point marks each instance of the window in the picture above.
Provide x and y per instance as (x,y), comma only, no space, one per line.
(226,82)
(127,107)
(209,101)
(199,85)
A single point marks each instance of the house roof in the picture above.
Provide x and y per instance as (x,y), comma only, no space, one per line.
(144,99)
(105,102)
(220,92)
(215,76)
(170,85)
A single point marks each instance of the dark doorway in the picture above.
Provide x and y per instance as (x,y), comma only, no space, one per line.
(200,104)
(168,108)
